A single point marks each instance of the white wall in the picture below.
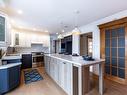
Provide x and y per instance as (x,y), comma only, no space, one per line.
(27,37)
(92,27)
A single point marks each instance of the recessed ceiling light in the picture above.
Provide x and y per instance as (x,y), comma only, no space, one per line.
(20,27)
(20,12)
(63,31)
(9,26)
(47,31)
(34,29)
(12,21)
(56,33)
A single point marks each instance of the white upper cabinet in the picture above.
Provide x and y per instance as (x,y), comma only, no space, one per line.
(27,37)
(4,31)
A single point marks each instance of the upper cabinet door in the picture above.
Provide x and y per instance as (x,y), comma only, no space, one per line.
(4,31)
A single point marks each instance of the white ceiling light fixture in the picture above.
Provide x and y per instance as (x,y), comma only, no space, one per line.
(12,21)
(63,31)
(60,36)
(20,27)
(46,31)
(62,27)
(34,29)
(20,12)
(76,30)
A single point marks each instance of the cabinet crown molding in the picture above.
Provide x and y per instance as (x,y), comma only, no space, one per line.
(113,23)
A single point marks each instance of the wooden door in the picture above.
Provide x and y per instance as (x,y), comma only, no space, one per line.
(113,48)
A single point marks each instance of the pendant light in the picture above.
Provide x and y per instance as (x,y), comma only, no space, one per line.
(76,30)
(60,36)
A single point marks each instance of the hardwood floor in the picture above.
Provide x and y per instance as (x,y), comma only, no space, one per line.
(44,87)
(48,87)
(110,88)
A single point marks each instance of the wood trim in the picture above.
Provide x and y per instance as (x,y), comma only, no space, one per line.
(102,42)
(115,26)
(83,47)
(126,51)
(75,80)
(113,23)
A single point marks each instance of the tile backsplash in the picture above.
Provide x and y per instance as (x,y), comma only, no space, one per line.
(33,48)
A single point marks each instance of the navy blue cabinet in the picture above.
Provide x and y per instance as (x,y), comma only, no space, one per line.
(14,77)
(9,78)
(11,61)
(3,81)
(66,45)
(26,61)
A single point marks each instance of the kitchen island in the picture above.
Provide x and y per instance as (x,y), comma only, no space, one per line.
(9,73)
(72,73)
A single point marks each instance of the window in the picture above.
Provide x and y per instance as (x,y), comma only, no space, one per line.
(2,29)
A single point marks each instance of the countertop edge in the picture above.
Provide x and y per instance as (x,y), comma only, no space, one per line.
(9,65)
(76,63)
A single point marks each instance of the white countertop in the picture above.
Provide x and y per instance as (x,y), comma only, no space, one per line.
(10,57)
(9,65)
(76,60)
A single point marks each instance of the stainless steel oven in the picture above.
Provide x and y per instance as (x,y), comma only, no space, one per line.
(38,59)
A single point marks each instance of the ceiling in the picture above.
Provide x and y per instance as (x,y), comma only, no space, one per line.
(49,14)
